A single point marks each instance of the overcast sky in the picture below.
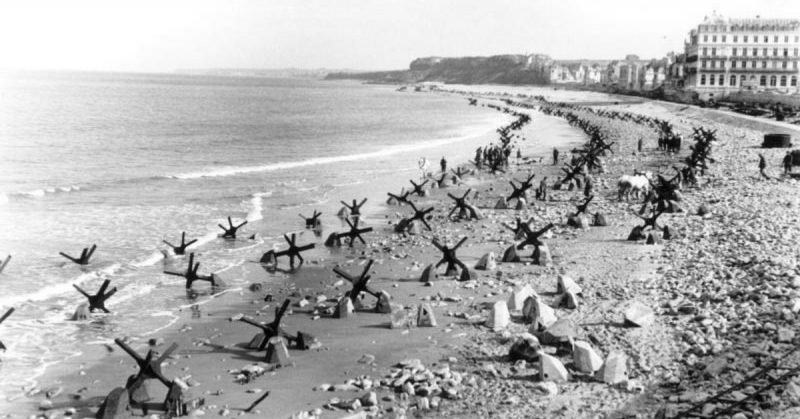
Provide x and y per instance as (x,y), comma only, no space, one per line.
(164,35)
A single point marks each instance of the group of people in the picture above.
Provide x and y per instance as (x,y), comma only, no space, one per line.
(788,162)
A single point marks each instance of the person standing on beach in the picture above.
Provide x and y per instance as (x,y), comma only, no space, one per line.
(640,144)
(762,165)
(555,156)
(443,164)
(787,163)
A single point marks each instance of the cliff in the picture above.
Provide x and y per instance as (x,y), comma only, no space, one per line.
(498,69)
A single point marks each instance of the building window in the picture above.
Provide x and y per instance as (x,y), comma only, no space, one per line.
(786,52)
(733,64)
(755,52)
(775,39)
(794,81)
(714,38)
(721,80)
(702,79)
(794,65)
(711,80)
(784,64)
(783,81)
(714,52)
(775,52)
(774,64)
(744,39)
(723,38)
(786,39)
(705,38)
(752,64)
(763,64)
(773,81)
(713,64)
(766,51)
(734,52)
(744,52)
(703,64)
(733,80)
(766,39)
(742,79)
(763,81)
(797,38)
(795,52)
(744,64)
(705,51)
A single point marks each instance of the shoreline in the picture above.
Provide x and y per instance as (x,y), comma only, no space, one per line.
(494,386)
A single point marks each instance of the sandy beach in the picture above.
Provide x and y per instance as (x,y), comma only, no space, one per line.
(735,268)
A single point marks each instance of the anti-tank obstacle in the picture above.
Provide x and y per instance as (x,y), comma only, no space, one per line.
(86,254)
(292,252)
(335,239)
(313,221)
(98,300)
(230,231)
(181,249)
(268,330)
(449,257)
(191,274)
(359,285)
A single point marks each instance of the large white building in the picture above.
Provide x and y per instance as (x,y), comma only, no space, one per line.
(728,55)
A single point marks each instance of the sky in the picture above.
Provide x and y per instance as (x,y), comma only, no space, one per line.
(166,35)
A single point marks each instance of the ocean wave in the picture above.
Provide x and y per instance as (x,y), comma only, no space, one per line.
(39,193)
(61,289)
(396,149)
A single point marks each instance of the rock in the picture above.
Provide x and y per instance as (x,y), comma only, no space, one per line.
(785,335)
(703,210)
(615,369)
(599,220)
(384,305)
(429,274)
(366,359)
(551,369)
(666,233)
(566,283)
(115,405)
(527,347)
(654,238)
(475,212)
(561,331)
(344,308)
(510,255)
(568,300)
(399,317)
(369,399)
(517,299)
(585,359)
(269,258)
(81,313)
(423,403)
(501,204)
(466,275)
(425,316)
(542,256)
(636,234)
(343,213)
(639,315)
(521,204)
(305,341)
(547,388)
(499,317)
(277,352)
(487,262)
(537,313)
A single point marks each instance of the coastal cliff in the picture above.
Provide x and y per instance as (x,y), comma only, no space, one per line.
(497,69)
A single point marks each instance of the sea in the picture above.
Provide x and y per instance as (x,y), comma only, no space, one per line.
(126,161)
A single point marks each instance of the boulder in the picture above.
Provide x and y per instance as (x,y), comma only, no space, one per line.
(521,204)
(277,352)
(510,255)
(384,303)
(487,262)
(517,299)
(526,347)
(639,315)
(568,300)
(561,331)
(398,317)
(703,210)
(566,283)
(343,213)
(333,240)
(499,318)
(653,238)
(425,316)
(585,358)
(501,204)
(615,369)
(414,227)
(551,369)
(537,313)
(475,212)
(600,220)
(344,308)
(667,233)
(269,258)
(81,312)
(542,256)
(637,234)
(466,275)
(429,274)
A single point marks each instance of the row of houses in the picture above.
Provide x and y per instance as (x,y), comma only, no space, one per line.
(721,56)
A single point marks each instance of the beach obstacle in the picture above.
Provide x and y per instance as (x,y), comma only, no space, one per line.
(2,319)
(313,221)
(268,330)
(98,300)
(191,274)
(419,189)
(518,228)
(230,231)
(532,237)
(293,251)
(462,208)
(5,263)
(86,254)
(521,191)
(180,250)
(354,208)
(449,257)
(257,402)
(149,369)
(359,285)
(353,234)
(398,199)
(459,172)
(419,215)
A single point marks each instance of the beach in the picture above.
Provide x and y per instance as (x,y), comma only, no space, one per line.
(736,267)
